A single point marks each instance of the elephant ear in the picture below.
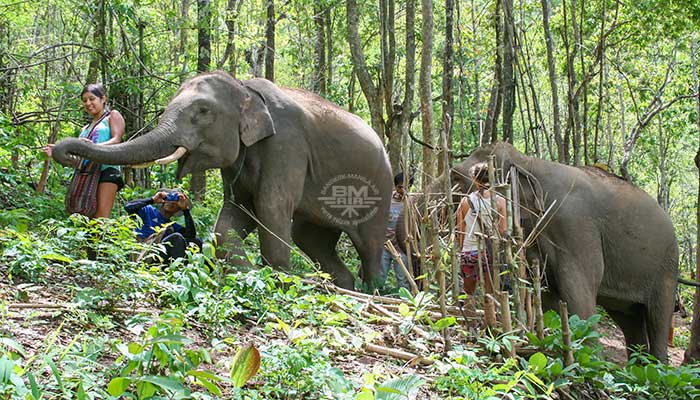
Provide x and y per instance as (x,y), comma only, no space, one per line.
(256,122)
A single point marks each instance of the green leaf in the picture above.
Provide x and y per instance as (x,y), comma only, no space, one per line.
(171,339)
(6,368)
(404,310)
(7,342)
(117,386)
(55,371)
(135,348)
(365,395)
(169,384)
(405,387)
(145,389)
(444,323)
(56,257)
(652,374)
(537,362)
(245,364)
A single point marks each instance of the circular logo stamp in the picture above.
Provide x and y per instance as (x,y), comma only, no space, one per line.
(349,199)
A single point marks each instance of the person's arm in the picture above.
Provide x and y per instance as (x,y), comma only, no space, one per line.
(461,228)
(502,220)
(189,231)
(134,206)
(116,127)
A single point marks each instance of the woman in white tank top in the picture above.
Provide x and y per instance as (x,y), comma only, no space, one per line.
(473,217)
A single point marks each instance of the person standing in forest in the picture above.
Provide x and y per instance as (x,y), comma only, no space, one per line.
(388,261)
(474,220)
(106,128)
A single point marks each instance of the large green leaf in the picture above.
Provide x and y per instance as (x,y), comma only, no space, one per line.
(245,364)
(117,386)
(403,388)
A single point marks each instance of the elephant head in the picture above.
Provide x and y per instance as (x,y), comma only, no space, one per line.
(202,127)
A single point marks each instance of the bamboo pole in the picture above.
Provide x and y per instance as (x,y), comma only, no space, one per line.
(506,321)
(539,318)
(397,257)
(440,275)
(454,266)
(495,245)
(566,334)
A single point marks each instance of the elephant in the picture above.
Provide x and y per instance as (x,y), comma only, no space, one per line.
(294,166)
(605,242)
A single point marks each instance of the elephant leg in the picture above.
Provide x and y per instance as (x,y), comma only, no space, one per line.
(633,326)
(319,244)
(232,219)
(275,231)
(658,313)
(368,240)
(577,287)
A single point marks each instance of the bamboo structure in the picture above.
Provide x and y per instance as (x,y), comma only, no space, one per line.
(566,334)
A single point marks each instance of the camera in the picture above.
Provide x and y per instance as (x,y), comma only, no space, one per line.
(172,197)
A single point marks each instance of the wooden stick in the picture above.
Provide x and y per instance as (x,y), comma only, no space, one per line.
(396,353)
(506,321)
(489,312)
(539,318)
(415,328)
(409,277)
(71,306)
(566,334)
(495,245)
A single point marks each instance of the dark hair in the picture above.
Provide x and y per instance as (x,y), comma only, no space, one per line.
(95,88)
(398,179)
(480,172)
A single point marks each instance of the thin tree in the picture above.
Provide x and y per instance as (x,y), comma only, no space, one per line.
(508,77)
(692,353)
(320,81)
(198,182)
(556,119)
(425,89)
(361,72)
(448,102)
(97,65)
(270,41)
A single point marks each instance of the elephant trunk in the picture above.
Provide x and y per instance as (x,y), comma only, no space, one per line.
(152,146)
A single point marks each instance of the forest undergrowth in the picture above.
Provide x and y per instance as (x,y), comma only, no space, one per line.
(120,326)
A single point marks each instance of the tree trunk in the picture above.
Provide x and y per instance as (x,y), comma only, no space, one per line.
(182,49)
(692,353)
(410,79)
(329,47)
(232,11)
(477,83)
(361,71)
(508,78)
(448,102)
(601,86)
(319,84)
(391,105)
(494,110)
(556,119)
(97,61)
(198,181)
(270,41)
(426,100)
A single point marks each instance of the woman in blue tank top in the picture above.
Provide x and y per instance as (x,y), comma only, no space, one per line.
(109,127)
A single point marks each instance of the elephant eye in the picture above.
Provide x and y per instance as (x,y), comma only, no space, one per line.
(203,110)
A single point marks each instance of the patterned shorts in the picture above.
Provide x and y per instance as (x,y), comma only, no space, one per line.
(470,264)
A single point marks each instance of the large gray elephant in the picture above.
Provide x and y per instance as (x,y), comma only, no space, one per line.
(607,242)
(294,166)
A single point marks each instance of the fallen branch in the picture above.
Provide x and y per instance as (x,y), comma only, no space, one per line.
(72,306)
(396,353)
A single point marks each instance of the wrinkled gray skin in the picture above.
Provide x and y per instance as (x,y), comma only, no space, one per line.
(608,243)
(295,143)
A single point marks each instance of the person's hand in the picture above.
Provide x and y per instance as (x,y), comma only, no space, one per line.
(160,197)
(48,149)
(182,201)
